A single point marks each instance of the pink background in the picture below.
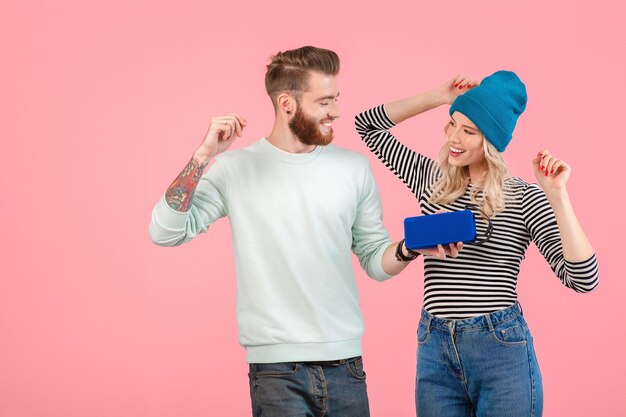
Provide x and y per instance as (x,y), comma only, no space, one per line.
(105,102)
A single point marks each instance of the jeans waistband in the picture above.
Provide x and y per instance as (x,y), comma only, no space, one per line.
(336,362)
(486,320)
(330,363)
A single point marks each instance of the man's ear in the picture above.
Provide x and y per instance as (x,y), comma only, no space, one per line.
(286,103)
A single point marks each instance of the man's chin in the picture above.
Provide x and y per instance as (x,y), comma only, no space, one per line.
(326,141)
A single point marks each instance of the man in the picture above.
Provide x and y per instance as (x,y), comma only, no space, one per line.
(297,206)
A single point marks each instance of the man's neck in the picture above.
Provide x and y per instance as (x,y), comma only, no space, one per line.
(283,138)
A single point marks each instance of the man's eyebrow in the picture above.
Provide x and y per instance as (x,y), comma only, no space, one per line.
(329,97)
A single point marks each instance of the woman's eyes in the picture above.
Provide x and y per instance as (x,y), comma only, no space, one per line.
(469,132)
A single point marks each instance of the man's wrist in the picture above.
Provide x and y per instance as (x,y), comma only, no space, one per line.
(202,157)
(400,253)
(411,252)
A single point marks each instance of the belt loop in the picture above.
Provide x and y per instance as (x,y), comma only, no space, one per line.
(520,308)
(429,323)
(489,322)
(452,326)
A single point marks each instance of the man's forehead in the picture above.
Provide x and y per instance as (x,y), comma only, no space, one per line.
(323,84)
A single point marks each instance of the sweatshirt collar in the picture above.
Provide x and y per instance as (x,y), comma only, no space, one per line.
(288,157)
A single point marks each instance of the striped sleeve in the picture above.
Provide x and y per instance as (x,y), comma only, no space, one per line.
(541,223)
(415,170)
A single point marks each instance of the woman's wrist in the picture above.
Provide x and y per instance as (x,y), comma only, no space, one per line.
(437,97)
(403,109)
(557,195)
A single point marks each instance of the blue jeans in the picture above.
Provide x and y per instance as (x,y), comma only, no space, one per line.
(482,366)
(297,389)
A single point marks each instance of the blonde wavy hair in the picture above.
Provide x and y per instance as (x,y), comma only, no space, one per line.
(453,181)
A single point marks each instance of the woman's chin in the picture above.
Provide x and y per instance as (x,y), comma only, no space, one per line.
(454,161)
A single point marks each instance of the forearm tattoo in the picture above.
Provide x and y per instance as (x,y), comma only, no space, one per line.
(178,196)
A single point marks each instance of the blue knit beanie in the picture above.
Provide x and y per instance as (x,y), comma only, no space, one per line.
(494,106)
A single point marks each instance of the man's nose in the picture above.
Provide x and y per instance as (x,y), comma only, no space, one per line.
(334,111)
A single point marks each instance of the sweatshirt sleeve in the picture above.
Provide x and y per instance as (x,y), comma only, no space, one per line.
(415,170)
(541,223)
(170,227)
(369,236)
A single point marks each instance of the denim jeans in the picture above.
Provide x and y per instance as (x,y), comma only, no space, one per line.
(482,366)
(297,389)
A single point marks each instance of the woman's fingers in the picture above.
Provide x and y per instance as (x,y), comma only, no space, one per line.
(559,165)
(547,163)
(543,157)
(462,82)
(550,166)
(441,252)
(465,83)
(453,250)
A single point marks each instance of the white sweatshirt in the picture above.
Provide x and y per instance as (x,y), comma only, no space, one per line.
(294,219)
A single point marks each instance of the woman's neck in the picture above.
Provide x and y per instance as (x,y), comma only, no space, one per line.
(477,173)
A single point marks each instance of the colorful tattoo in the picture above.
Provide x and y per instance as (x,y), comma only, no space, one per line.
(178,196)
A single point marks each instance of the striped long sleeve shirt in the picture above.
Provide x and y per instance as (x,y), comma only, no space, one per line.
(483,278)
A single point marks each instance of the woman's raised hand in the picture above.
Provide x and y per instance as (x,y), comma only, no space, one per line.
(552,174)
(456,86)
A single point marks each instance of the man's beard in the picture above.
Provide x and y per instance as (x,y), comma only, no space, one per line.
(307,129)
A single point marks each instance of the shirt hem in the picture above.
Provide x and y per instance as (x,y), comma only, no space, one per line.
(303,352)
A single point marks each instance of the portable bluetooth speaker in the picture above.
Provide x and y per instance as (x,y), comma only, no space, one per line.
(443,228)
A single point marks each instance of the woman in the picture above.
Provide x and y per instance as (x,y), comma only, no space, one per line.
(475,354)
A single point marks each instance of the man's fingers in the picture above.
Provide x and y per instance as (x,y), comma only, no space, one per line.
(237,126)
(240,123)
(236,122)
(243,122)
(225,129)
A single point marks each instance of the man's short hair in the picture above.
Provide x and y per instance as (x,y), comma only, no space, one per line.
(288,71)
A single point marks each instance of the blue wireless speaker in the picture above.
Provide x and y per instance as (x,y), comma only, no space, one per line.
(428,231)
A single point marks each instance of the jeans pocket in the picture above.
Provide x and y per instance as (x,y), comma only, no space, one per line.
(510,333)
(260,370)
(423,332)
(355,368)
